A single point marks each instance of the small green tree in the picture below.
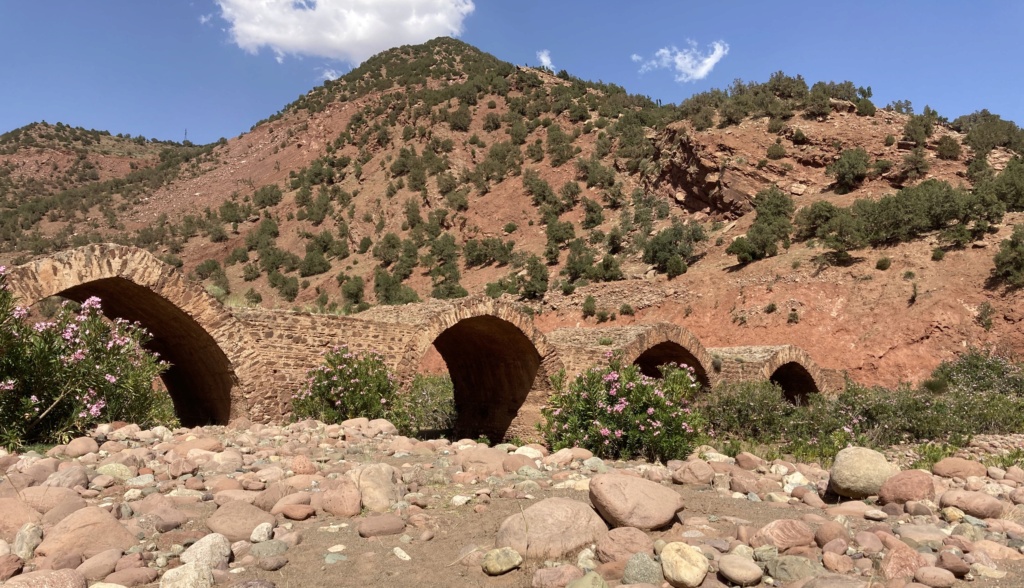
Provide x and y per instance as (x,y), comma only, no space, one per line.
(1009,260)
(850,169)
(589,307)
(948,148)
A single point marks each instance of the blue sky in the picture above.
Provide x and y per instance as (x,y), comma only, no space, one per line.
(216,67)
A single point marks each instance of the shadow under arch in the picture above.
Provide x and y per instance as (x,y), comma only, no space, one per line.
(133,285)
(796,382)
(788,366)
(499,363)
(651,360)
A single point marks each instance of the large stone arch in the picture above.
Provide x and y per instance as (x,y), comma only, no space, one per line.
(197,335)
(789,366)
(499,362)
(646,345)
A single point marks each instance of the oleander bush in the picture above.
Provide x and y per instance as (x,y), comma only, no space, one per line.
(617,412)
(60,376)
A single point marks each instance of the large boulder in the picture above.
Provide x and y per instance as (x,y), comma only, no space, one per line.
(958,467)
(378,485)
(626,501)
(551,528)
(15,514)
(906,486)
(89,531)
(976,504)
(48,579)
(859,472)
(236,520)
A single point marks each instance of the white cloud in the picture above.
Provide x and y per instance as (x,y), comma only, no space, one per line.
(329,73)
(346,30)
(689,64)
(636,58)
(205,18)
(545,59)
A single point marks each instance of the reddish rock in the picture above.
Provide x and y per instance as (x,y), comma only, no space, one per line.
(100,565)
(484,460)
(626,501)
(556,577)
(81,446)
(830,531)
(977,504)
(90,530)
(906,486)
(958,467)
(512,463)
(694,472)
(838,563)
(551,528)
(783,534)
(67,560)
(622,543)
(15,514)
(297,512)
(301,464)
(748,461)
(10,565)
(48,579)
(953,563)
(901,562)
(45,499)
(385,524)
(935,577)
(236,520)
(343,500)
(132,577)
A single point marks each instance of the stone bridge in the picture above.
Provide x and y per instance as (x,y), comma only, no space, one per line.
(231,362)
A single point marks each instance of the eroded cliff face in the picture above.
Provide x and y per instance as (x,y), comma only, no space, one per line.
(698,174)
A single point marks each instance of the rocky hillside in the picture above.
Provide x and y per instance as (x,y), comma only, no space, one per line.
(438,170)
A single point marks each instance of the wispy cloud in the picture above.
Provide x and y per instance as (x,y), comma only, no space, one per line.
(346,30)
(205,18)
(329,73)
(544,56)
(689,64)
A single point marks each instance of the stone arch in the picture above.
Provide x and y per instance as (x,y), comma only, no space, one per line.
(789,366)
(661,343)
(646,345)
(191,330)
(499,363)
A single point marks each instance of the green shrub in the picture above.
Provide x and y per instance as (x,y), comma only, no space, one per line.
(510,227)
(850,169)
(617,412)
(948,148)
(626,310)
(883,263)
(589,307)
(269,195)
(793,317)
(915,164)
(1009,260)
(774,209)
(770,308)
(776,150)
(63,375)
(938,253)
(890,140)
(865,107)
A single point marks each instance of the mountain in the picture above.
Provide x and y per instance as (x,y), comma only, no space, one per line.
(439,170)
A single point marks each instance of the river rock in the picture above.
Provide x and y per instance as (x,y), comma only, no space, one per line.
(551,528)
(627,501)
(859,472)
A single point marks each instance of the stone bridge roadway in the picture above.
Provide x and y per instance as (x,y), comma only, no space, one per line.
(231,362)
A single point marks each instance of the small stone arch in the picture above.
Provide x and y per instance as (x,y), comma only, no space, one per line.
(499,363)
(190,329)
(661,343)
(646,345)
(789,366)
